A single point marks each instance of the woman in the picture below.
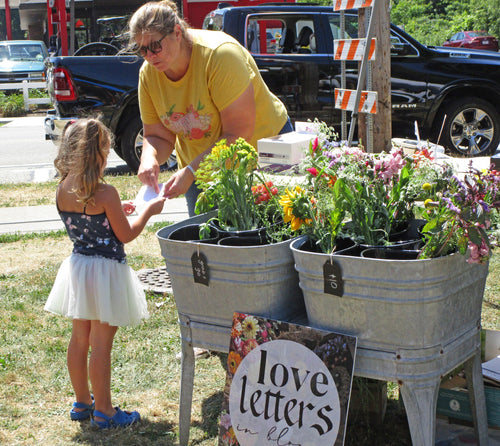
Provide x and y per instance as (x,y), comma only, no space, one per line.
(195,88)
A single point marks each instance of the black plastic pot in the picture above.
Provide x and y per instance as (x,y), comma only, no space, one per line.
(390,253)
(191,233)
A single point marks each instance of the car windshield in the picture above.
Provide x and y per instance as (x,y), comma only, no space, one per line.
(21,52)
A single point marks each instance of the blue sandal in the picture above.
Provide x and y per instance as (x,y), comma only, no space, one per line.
(120,419)
(79,415)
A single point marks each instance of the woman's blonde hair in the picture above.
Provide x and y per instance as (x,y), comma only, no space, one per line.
(83,152)
(158,17)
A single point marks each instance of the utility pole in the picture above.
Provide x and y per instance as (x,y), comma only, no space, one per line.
(380,80)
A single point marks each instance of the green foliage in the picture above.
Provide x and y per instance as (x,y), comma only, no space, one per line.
(12,105)
(432,22)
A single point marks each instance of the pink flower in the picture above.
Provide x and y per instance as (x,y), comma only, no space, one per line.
(315,144)
(249,345)
(313,171)
(225,420)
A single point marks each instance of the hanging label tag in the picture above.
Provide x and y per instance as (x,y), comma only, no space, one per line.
(200,268)
(332,278)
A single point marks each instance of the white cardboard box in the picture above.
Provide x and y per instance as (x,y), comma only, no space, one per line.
(288,148)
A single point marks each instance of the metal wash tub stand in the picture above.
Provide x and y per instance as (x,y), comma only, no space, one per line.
(259,280)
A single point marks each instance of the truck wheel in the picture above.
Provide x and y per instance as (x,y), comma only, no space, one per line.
(131,146)
(472,127)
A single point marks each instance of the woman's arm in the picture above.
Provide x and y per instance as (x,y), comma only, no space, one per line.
(125,230)
(158,145)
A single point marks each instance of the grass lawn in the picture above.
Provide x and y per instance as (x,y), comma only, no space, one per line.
(35,392)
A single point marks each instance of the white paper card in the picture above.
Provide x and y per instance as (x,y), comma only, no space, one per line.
(147,193)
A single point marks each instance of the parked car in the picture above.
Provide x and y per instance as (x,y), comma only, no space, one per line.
(477,40)
(22,60)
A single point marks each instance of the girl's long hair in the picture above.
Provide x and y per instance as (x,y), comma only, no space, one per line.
(83,152)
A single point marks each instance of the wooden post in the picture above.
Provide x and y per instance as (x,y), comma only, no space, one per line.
(381,80)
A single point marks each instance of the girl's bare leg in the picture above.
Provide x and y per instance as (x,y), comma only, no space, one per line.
(101,342)
(77,357)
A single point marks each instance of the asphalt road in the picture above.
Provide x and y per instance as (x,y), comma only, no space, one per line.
(25,155)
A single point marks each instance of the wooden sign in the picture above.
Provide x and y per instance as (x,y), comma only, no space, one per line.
(286,384)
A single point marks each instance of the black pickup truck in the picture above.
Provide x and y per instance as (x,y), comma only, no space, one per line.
(293,45)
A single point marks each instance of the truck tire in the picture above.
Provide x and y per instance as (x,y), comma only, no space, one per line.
(131,146)
(472,127)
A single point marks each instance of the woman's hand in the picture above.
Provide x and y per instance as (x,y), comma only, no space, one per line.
(158,144)
(178,183)
(149,170)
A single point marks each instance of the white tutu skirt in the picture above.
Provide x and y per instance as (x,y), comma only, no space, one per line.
(96,288)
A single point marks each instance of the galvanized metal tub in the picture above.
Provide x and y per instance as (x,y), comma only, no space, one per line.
(394,304)
(415,321)
(259,280)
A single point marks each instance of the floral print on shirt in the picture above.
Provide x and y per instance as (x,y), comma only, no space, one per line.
(191,125)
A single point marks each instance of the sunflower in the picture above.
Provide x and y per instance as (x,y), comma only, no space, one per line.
(296,207)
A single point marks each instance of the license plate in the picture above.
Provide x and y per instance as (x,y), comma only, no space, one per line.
(485,42)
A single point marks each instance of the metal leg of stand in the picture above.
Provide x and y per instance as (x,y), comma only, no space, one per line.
(475,386)
(186,392)
(420,399)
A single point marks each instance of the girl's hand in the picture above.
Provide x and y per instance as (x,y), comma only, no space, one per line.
(155,206)
(128,207)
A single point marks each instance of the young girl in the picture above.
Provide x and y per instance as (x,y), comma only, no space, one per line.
(95,286)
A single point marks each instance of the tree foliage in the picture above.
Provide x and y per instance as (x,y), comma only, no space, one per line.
(434,21)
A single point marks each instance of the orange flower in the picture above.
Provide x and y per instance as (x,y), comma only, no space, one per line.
(233,361)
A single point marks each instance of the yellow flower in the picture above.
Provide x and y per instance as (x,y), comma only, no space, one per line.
(294,203)
(429,203)
(427,187)
(249,327)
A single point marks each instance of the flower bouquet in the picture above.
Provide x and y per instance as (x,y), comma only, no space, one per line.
(232,183)
(347,192)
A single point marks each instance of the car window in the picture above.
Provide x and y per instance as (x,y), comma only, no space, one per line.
(280,34)
(401,47)
(213,21)
(351,26)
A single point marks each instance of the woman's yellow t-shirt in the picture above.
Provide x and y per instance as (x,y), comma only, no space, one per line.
(219,72)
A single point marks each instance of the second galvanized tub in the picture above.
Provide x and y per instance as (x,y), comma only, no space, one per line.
(394,304)
(259,280)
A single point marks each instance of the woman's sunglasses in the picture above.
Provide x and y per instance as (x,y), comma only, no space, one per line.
(154,47)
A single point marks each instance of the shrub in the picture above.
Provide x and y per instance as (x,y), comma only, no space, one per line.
(12,105)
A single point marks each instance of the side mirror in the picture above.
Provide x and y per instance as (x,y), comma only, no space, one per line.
(399,48)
